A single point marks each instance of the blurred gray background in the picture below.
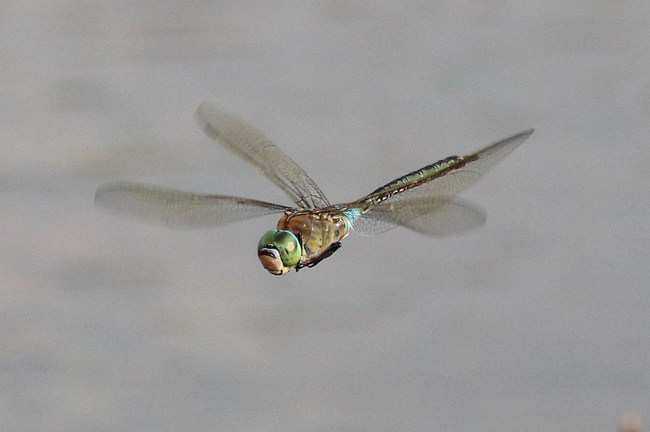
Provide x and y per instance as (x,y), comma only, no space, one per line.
(537,322)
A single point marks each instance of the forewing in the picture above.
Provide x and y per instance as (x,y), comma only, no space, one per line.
(480,162)
(184,209)
(249,144)
(433,216)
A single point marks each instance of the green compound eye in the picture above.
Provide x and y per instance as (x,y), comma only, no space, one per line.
(267,239)
(279,251)
(287,244)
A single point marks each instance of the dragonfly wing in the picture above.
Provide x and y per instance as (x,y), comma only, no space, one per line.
(487,157)
(479,163)
(432,216)
(447,177)
(172,207)
(249,144)
(424,200)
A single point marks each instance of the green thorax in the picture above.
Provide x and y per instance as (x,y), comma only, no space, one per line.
(317,229)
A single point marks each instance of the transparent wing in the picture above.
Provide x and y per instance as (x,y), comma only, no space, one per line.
(434,181)
(433,216)
(425,201)
(172,207)
(249,144)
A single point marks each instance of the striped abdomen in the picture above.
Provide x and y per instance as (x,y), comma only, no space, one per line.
(416,178)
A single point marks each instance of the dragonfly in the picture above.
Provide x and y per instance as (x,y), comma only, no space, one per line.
(424,200)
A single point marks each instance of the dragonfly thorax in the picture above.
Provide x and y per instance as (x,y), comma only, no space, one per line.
(279,251)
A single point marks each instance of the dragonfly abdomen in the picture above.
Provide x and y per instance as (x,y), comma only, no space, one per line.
(418,176)
(415,178)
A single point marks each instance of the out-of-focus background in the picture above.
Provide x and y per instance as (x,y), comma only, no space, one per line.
(538,322)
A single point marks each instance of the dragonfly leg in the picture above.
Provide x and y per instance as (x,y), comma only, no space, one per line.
(326,254)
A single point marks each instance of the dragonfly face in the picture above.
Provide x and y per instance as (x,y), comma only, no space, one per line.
(424,200)
(279,251)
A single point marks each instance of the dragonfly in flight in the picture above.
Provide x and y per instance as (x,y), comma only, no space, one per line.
(423,200)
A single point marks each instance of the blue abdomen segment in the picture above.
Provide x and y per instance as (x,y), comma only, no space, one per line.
(351,215)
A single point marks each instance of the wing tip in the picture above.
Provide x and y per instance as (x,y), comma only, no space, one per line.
(203,111)
(219,124)
(523,135)
(203,108)
(528,132)
(103,190)
(109,194)
(515,140)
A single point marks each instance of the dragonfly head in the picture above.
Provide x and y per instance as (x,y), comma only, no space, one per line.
(279,251)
